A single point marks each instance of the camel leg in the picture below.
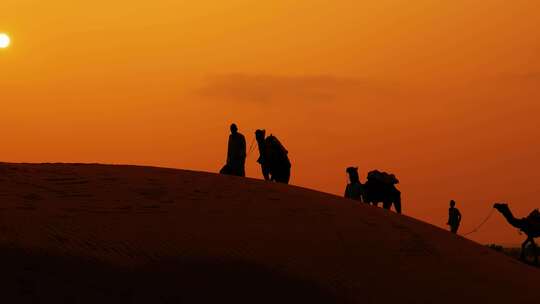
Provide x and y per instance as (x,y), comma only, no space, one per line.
(534,248)
(387,205)
(265,172)
(523,248)
(287,175)
(397,204)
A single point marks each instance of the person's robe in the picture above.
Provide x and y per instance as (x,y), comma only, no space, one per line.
(236,154)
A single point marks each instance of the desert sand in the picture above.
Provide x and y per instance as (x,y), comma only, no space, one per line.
(73,233)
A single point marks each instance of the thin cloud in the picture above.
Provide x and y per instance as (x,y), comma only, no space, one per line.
(526,76)
(532,76)
(271,88)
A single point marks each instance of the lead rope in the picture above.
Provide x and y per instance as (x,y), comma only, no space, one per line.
(481,224)
(251,147)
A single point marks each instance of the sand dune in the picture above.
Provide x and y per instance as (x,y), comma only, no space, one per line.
(127,234)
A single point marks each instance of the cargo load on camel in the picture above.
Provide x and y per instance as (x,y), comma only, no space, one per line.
(380,188)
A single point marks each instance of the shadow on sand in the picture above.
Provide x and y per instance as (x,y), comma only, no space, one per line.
(41,278)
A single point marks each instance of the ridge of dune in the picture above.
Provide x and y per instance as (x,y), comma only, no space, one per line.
(89,233)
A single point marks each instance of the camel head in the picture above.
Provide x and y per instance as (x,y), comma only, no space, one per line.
(260,134)
(501,207)
(352,170)
(353,174)
(527,225)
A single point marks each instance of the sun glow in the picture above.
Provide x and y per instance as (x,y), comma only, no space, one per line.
(4,40)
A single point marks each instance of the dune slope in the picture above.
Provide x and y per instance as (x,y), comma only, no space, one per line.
(72,233)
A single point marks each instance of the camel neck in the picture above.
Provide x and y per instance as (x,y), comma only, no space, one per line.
(518,223)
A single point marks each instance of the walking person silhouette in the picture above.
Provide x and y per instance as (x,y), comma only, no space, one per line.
(454,217)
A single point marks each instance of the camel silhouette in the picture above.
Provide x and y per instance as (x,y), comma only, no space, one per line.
(381,187)
(274,159)
(529,225)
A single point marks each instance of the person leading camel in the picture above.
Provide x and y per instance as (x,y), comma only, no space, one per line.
(454,217)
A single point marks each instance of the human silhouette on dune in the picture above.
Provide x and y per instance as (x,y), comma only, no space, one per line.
(454,217)
(236,154)
(354,189)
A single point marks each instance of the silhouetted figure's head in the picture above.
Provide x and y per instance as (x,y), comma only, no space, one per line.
(260,134)
(452,203)
(234,129)
(353,174)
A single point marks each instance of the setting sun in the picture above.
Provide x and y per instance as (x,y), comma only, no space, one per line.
(4,41)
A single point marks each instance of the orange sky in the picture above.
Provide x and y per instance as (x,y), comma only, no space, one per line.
(443,93)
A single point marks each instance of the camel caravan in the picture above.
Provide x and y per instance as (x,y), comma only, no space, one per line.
(379,188)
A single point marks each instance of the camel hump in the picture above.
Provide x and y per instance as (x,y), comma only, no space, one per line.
(534,215)
(273,141)
(383,177)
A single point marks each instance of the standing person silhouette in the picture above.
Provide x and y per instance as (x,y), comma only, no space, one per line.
(236,152)
(354,189)
(454,217)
